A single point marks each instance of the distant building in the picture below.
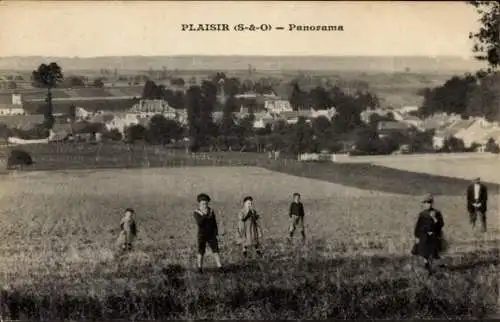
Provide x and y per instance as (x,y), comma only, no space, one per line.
(150,108)
(12,105)
(278,106)
(386,128)
(408,109)
(121,121)
(329,113)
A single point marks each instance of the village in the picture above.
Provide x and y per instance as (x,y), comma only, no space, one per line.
(87,113)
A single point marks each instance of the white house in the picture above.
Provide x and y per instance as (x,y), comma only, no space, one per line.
(246,95)
(329,113)
(277,106)
(412,120)
(262,120)
(121,121)
(82,114)
(475,133)
(408,109)
(150,108)
(14,107)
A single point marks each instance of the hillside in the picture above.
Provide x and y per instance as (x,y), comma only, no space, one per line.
(312,63)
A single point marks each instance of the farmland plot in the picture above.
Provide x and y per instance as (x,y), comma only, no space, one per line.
(59,230)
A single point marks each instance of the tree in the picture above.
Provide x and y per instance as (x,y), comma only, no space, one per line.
(75,81)
(300,137)
(453,144)
(178,81)
(18,158)
(244,130)
(72,112)
(452,97)
(491,146)
(48,76)
(297,97)
(227,125)
(151,91)
(12,85)
(483,99)
(162,131)
(232,86)
(487,39)
(113,135)
(193,107)
(208,102)
(422,141)
(135,132)
(319,98)
(323,132)
(98,82)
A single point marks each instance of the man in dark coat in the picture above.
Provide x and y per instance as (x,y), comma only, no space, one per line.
(429,232)
(477,202)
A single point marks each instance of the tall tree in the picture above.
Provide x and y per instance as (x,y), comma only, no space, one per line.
(48,76)
(162,130)
(300,137)
(297,97)
(487,39)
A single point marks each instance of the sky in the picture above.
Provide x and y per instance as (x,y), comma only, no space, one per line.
(119,28)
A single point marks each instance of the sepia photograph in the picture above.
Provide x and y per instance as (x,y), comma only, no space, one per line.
(249,160)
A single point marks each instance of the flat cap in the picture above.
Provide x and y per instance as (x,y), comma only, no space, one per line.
(203,197)
(428,198)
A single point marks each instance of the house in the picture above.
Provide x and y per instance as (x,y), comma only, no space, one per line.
(386,128)
(476,132)
(277,105)
(86,131)
(262,120)
(247,95)
(412,120)
(366,114)
(150,108)
(11,104)
(120,121)
(82,114)
(451,130)
(329,113)
(408,109)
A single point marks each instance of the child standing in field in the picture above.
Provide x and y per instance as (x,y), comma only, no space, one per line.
(296,214)
(128,231)
(207,230)
(249,229)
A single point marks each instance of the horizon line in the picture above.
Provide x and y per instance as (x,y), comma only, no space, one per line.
(239,55)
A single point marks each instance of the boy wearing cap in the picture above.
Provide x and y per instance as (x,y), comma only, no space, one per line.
(207,230)
(429,232)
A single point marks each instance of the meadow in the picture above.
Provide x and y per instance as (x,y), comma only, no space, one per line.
(59,258)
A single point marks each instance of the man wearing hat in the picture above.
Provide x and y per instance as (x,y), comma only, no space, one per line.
(477,199)
(207,230)
(429,232)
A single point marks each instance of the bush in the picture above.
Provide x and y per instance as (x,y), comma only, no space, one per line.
(19,158)
(113,135)
(492,147)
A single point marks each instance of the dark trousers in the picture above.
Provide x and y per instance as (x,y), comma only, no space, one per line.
(473,218)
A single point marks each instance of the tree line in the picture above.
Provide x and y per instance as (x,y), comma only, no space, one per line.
(468,96)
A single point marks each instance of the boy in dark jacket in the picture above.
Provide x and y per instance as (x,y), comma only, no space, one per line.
(207,230)
(296,214)
(429,232)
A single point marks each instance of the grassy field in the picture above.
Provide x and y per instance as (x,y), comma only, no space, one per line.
(59,229)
